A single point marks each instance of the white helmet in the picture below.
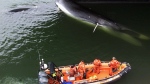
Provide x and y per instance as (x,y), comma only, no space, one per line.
(45,66)
(113,58)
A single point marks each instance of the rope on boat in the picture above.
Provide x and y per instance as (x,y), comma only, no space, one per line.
(95,27)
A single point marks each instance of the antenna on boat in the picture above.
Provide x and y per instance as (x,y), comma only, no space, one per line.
(41,61)
(39,56)
(95,27)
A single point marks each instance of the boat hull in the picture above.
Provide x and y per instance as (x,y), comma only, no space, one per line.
(124,69)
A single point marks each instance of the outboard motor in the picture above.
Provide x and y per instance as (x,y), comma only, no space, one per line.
(51,66)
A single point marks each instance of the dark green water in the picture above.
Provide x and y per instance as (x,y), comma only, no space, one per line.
(64,40)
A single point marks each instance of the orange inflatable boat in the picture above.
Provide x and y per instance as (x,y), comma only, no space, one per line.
(51,74)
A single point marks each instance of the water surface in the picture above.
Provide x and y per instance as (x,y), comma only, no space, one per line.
(63,40)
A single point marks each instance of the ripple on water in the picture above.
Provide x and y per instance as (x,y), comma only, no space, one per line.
(23,28)
(12,80)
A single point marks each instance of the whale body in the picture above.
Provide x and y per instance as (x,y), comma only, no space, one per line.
(75,10)
(19,10)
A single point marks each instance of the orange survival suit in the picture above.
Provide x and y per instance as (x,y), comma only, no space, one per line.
(97,66)
(114,64)
(72,70)
(81,68)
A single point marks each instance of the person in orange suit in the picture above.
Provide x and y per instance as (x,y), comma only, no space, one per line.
(97,66)
(81,68)
(114,64)
(72,71)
